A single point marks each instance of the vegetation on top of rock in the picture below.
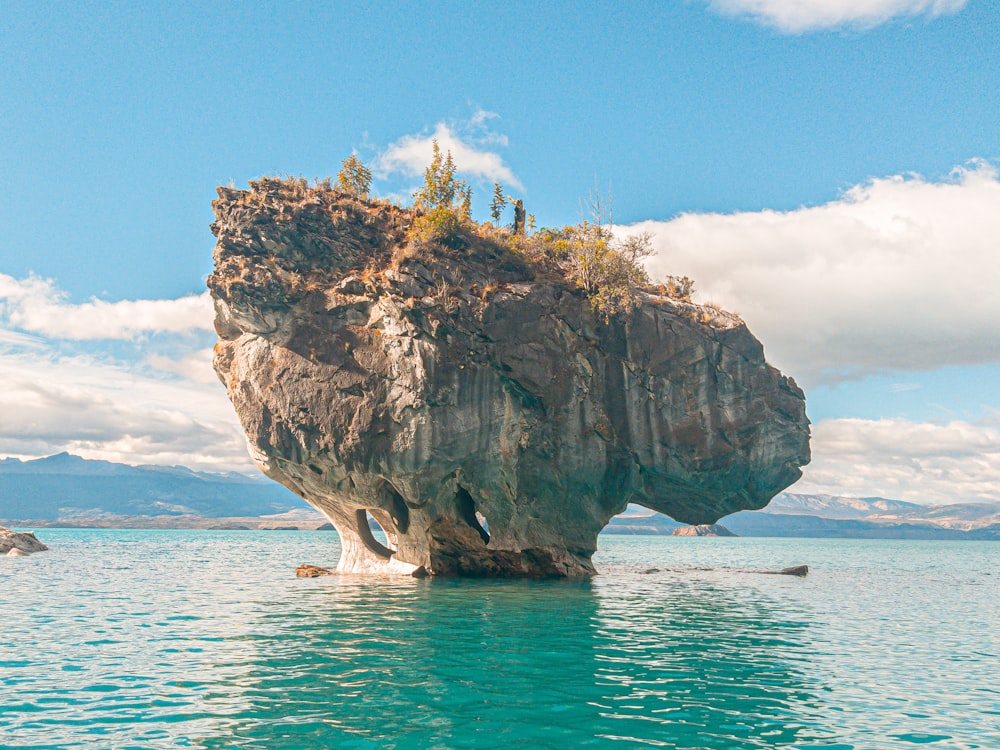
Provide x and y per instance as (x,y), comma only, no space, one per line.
(441,188)
(498,203)
(354,177)
(590,256)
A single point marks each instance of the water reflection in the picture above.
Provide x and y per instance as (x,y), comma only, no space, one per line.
(160,639)
(659,660)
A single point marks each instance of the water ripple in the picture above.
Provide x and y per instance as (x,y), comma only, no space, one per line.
(161,639)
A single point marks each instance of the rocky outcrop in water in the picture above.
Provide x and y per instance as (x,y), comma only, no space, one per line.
(311,571)
(710,529)
(19,543)
(467,397)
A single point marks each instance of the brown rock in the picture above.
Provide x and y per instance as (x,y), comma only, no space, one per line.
(14,542)
(796,570)
(473,404)
(311,571)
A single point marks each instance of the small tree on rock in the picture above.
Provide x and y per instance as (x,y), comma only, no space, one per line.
(608,268)
(441,189)
(447,203)
(466,202)
(354,177)
(497,204)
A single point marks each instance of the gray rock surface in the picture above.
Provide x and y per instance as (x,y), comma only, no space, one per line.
(800,571)
(19,543)
(472,402)
(711,529)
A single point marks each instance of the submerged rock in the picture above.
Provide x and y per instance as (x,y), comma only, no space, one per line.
(19,543)
(311,571)
(796,570)
(470,400)
(711,529)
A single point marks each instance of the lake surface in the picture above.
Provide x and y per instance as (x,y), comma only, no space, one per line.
(157,639)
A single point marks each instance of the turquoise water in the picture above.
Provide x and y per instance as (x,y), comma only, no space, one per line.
(157,639)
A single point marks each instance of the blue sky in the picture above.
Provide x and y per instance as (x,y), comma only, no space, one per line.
(826,168)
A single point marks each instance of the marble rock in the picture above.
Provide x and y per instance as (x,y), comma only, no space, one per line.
(472,404)
(19,543)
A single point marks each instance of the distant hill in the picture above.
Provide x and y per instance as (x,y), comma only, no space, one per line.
(68,487)
(793,515)
(832,506)
(75,490)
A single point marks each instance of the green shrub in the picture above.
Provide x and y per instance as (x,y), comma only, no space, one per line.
(441,226)
(441,189)
(679,287)
(497,204)
(354,177)
(607,268)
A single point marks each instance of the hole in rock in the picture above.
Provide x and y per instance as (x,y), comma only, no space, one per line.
(368,527)
(468,513)
(397,507)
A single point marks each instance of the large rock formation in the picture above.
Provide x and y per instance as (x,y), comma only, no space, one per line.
(469,399)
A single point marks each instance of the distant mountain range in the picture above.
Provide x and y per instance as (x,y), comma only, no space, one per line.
(792,515)
(65,487)
(71,490)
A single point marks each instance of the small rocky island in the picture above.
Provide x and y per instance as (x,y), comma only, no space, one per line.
(19,543)
(709,529)
(457,386)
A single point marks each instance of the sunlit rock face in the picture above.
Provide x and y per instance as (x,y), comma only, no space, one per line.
(471,401)
(19,543)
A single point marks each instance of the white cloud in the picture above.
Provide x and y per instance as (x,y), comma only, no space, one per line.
(13,338)
(102,410)
(468,143)
(196,366)
(901,273)
(479,126)
(127,381)
(99,408)
(793,16)
(915,461)
(35,305)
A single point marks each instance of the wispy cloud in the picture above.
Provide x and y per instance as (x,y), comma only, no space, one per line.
(195,366)
(917,461)
(97,407)
(472,144)
(127,381)
(795,16)
(36,305)
(899,274)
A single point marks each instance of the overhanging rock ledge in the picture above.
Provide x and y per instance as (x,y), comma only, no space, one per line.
(473,403)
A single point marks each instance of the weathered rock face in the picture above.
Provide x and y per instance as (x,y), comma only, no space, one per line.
(472,404)
(19,543)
